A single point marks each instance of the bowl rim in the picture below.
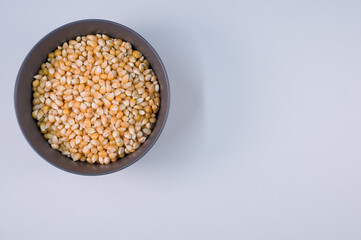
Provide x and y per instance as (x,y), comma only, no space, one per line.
(166,91)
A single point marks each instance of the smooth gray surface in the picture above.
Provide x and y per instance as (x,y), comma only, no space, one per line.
(262,141)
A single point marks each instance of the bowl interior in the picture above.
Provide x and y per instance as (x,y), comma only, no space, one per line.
(38,55)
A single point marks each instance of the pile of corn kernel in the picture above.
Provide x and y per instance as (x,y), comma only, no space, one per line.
(95,99)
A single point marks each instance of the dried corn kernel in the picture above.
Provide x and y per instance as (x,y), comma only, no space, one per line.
(95,99)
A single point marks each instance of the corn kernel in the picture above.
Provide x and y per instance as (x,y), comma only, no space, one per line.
(91,95)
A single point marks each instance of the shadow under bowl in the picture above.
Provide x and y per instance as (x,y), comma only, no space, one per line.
(38,55)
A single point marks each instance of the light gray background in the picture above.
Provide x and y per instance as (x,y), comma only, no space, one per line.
(262,141)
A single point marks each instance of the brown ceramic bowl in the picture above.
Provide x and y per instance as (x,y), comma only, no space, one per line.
(38,55)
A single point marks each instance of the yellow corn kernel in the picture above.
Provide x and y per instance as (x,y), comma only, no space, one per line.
(137,54)
(104,76)
(46,108)
(36,94)
(66,111)
(57,52)
(36,83)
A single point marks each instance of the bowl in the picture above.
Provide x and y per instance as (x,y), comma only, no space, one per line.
(38,55)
